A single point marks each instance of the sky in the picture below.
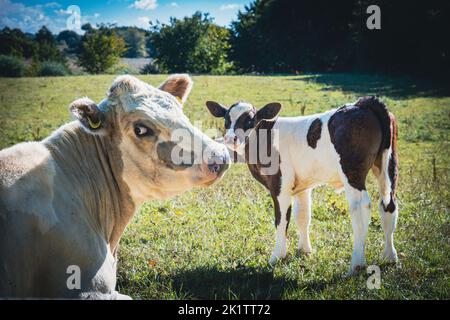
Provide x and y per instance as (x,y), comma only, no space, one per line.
(29,16)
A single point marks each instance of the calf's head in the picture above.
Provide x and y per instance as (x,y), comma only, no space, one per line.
(161,152)
(240,119)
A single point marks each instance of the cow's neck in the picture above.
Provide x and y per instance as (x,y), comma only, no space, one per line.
(92,166)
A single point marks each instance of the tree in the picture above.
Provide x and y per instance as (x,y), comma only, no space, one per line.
(15,43)
(286,36)
(71,39)
(100,49)
(47,49)
(135,42)
(191,44)
(328,35)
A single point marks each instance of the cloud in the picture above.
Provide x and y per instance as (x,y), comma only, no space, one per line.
(230,6)
(96,15)
(26,18)
(173,4)
(145,4)
(143,21)
(51,5)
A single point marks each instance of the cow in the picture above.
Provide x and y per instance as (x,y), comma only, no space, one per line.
(338,147)
(66,200)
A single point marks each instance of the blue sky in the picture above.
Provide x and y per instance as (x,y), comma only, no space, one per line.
(31,15)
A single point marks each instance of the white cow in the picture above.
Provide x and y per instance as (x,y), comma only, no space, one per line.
(338,147)
(65,201)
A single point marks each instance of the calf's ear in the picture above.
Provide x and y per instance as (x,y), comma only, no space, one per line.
(89,115)
(269,111)
(216,109)
(178,85)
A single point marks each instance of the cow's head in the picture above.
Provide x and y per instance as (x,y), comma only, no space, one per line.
(162,153)
(240,119)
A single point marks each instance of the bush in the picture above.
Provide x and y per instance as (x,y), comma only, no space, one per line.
(100,49)
(151,68)
(52,68)
(121,68)
(11,66)
(192,44)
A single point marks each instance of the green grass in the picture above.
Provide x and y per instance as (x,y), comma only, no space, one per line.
(215,242)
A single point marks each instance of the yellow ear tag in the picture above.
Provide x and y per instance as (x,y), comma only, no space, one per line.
(179,100)
(92,124)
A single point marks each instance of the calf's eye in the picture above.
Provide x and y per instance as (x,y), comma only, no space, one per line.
(142,131)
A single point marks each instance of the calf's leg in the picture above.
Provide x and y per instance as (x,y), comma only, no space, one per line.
(282,206)
(388,207)
(359,204)
(302,216)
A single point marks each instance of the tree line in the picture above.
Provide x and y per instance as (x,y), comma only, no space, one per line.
(268,36)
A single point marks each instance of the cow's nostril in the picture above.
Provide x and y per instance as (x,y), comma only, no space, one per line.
(235,138)
(215,167)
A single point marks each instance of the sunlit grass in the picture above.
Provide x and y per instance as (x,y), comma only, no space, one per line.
(215,242)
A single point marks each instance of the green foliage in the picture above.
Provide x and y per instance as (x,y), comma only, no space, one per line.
(70,39)
(47,49)
(135,42)
(214,243)
(325,35)
(11,66)
(52,68)
(100,49)
(192,44)
(16,43)
(150,68)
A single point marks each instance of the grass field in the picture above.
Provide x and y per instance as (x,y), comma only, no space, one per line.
(215,242)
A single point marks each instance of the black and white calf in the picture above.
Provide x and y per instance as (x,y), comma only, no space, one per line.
(338,147)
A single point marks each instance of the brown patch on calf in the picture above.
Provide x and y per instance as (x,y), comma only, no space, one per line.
(271,182)
(358,137)
(314,133)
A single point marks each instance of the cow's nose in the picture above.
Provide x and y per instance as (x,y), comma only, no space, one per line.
(218,164)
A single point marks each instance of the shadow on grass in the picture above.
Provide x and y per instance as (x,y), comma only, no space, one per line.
(245,283)
(393,87)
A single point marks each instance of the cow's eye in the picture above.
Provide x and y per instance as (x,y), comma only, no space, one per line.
(142,131)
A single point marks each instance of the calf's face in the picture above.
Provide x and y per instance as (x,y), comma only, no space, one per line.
(240,119)
(162,153)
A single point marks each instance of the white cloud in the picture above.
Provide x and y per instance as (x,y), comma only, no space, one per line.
(230,6)
(62,12)
(26,18)
(145,4)
(173,4)
(52,5)
(96,15)
(143,22)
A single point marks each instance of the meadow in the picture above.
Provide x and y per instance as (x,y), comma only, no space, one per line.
(214,243)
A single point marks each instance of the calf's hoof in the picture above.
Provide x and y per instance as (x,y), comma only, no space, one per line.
(274,259)
(304,249)
(356,269)
(390,256)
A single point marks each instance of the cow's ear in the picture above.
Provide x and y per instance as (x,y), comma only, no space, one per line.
(178,85)
(88,113)
(269,111)
(216,109)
